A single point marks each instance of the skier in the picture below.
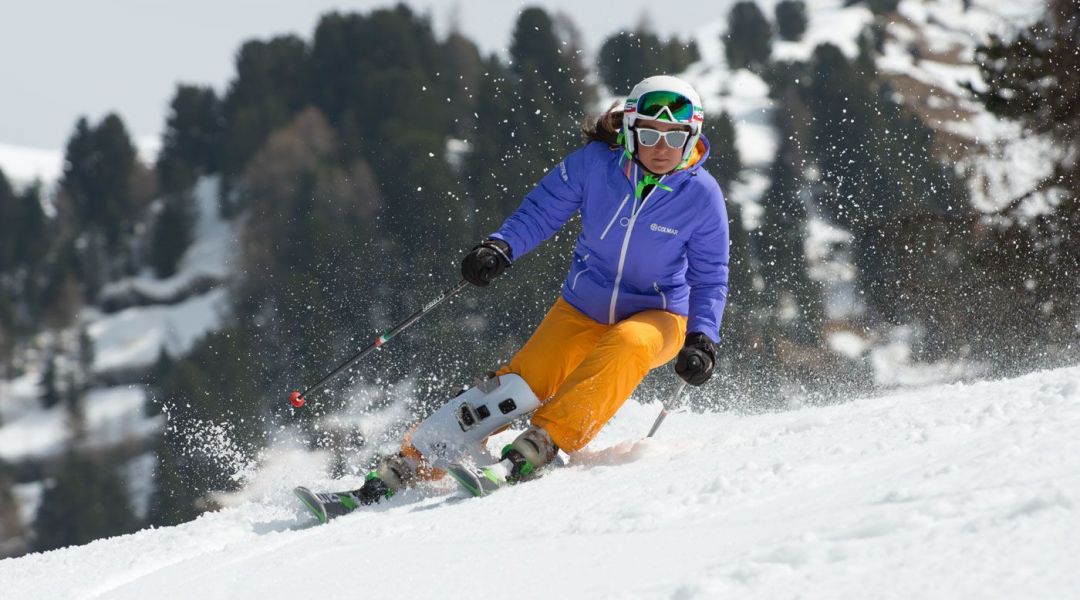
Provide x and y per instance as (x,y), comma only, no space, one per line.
(650,265)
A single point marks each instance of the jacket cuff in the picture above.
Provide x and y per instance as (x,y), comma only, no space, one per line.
(503,245)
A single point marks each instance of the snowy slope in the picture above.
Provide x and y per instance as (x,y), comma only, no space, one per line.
(958,491)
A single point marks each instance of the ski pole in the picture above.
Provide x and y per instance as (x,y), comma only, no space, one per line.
(668,405)
(298,398)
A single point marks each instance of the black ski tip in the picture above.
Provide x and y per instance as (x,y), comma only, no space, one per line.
(311,501)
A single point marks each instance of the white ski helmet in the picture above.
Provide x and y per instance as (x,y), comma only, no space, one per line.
(663,98)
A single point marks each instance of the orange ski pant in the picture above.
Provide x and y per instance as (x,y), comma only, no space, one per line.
(583,371)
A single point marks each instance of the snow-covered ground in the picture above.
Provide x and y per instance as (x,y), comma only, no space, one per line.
(955,491)
(133,338)
(207,259)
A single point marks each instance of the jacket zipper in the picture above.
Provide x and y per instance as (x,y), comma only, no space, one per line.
(616,216)
(625,246)
(663,296)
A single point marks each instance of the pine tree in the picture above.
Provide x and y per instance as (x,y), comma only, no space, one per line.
(175,498)
(620,61)
(216,390)
(50,395)
(626,58)
(463,67)
(86,501)
(744,367)
(86,352)
(1035,79)
(882,7)
(678,55)
(12,532)
(271,85)
(748,41)
(747,368)
(9,221)
(387,102)
(546,109)
(783,232)
(724,162)
(75,408)
(791,19)
(191,144)
(98,166)
(313,242)
(173,232)
(878,174)
(487,165)
(32,238)
(550,64)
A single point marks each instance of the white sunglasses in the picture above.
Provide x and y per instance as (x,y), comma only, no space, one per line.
(651,137)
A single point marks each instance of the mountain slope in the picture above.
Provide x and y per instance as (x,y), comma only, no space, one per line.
(951,491)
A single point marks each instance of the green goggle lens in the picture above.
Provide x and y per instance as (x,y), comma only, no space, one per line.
(665,105)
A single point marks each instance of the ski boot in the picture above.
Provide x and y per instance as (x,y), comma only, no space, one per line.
(521,461)
(390,476)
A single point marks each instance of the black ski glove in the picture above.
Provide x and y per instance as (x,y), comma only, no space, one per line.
(486,262)
(696,359)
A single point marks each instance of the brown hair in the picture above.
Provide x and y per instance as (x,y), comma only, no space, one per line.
(606,128)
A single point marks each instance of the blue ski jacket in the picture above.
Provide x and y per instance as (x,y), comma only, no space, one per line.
(666,249)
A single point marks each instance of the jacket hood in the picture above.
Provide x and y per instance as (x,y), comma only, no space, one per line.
(699,155)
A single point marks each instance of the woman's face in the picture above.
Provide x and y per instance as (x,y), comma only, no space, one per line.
(660,158)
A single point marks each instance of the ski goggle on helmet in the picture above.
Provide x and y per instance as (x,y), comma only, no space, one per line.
(663,105)
(663,98)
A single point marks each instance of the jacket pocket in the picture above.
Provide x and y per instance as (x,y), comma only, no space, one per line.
(615,216)
(573,284)
(663,296)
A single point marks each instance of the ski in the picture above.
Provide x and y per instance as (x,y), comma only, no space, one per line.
(327,505)
(481,481)
(477,481)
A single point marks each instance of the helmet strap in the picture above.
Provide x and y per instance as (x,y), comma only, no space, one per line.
(621,140)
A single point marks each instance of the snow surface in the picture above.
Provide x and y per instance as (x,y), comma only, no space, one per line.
(954,491)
